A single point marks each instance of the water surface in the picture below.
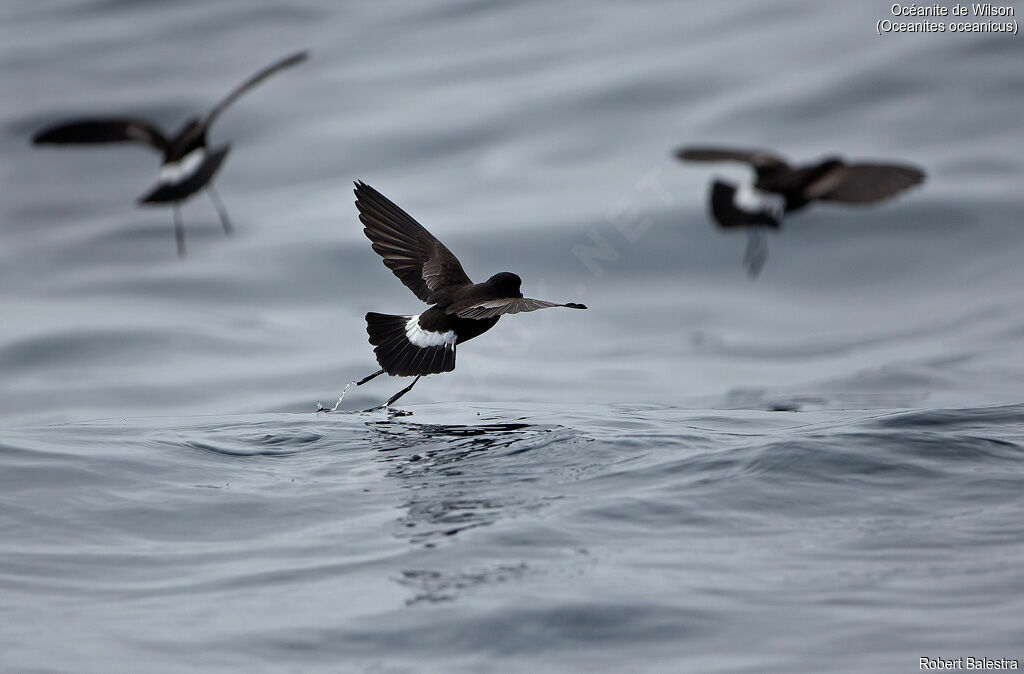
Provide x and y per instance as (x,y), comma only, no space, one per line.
(819,470)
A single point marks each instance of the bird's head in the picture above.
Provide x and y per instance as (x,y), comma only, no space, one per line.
(505,284)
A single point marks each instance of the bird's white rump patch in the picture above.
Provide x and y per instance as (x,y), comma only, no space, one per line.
(425,338)
(752,200)
(175,172)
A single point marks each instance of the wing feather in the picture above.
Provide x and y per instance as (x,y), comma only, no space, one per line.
(114,130)
(286,62)
(478,309)
(415,256)
(756,158)
(868,183)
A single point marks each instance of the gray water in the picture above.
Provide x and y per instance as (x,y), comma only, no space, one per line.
(816,471)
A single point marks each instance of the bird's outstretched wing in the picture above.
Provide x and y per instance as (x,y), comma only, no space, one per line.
(82,131)
(286,62)
(416,257)
(867,183)
(490,308)
(756,158)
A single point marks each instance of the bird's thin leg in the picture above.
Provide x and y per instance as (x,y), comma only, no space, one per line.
(757,251)
(393,399)
(179,231)
(221,211)
(321,408)
(369,377)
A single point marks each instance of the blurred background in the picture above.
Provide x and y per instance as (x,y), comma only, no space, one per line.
(532,137)
(519,134)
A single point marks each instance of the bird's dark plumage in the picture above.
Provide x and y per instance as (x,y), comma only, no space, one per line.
(780,188)
(419,260)
(756,158)
(89,131)
(119,130)
(489,308)
(188,164)
(281,64)
(831,179)
(403,358)
(462,310)
(164,192)
(868,183)
(723,207)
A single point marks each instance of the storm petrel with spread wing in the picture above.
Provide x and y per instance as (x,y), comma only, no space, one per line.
(781,188)
(413,346)
(188,163)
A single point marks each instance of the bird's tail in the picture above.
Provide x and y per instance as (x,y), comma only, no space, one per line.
(399,355)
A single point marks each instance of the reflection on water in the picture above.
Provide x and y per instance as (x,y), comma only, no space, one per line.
(432,586)
(678,528)
(448,491)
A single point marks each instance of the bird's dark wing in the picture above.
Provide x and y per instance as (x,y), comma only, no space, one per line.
(418,259)
(756,158)
(102,131)
(814,181)
(867,183)
(478,309)
(286,62)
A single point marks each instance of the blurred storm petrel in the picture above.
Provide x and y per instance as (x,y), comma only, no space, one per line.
(781,188)
(407,346)
(188,163)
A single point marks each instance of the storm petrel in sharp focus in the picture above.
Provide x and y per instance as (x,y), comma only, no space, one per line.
(188,163)
(423,344)
(781,188)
